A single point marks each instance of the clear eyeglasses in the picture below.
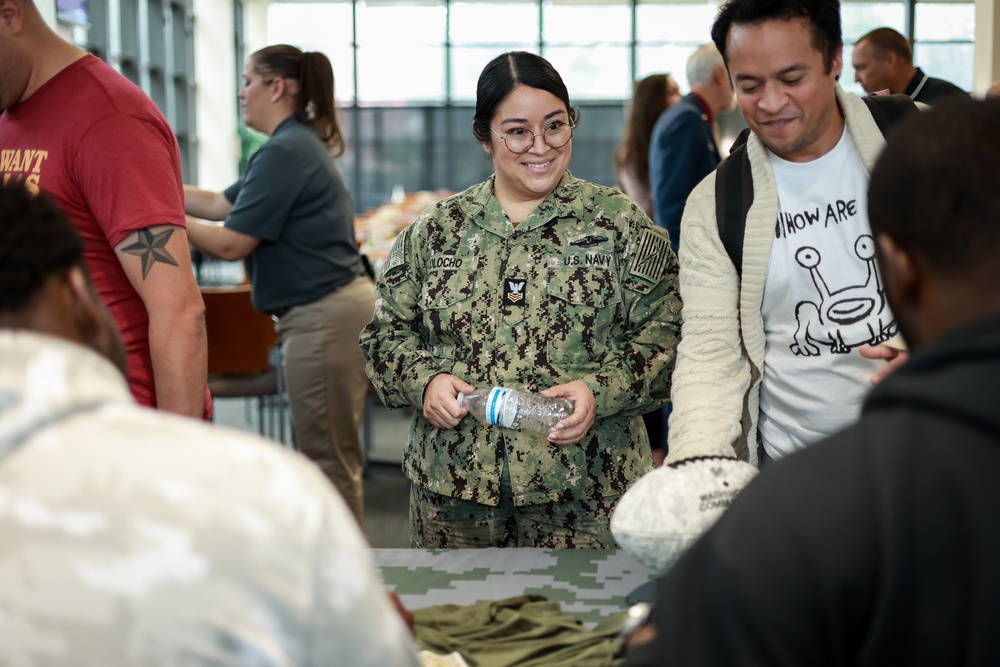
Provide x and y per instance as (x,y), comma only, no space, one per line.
(519,140)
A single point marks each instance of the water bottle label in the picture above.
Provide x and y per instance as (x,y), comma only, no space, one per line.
(501,409)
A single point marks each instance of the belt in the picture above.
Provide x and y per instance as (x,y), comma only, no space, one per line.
(281,312)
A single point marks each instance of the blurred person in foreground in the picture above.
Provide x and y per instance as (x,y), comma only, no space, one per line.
(536,280)
(888,554)
(653,95)
(73,127)
(135,537)
(883,61)
(291,217)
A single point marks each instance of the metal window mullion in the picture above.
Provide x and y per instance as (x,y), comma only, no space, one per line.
(143,61)
(170,69)
(541,28)
(634,46)
(910,22)
(447,54)
(114,34)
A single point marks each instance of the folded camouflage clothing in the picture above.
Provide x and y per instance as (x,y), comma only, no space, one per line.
(521,631)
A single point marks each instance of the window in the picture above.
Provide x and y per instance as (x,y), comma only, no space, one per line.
(943,40)
(325,27)
(589,45)
(400,52)
(666,36)
(152,43)
(408,114)
(857,18)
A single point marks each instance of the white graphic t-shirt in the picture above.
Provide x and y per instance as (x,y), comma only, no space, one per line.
(822,300)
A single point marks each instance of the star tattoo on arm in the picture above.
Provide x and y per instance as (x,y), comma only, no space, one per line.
(151,248)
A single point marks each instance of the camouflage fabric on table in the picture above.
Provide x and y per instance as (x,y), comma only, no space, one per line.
(584,288)
(590,584)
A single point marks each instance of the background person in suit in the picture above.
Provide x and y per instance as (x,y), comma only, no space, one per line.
(684,149)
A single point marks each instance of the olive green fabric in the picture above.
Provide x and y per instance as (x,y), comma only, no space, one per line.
(522,631)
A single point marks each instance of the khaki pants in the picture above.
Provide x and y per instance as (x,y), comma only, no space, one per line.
(326,383)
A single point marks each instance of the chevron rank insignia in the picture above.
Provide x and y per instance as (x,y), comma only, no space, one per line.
(513,291)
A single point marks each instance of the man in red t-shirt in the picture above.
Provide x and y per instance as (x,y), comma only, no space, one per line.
(84,134)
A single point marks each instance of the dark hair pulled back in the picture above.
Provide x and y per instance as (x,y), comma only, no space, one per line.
(505,73)
(314,74)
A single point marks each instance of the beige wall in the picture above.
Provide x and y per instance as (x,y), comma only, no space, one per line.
(987,53)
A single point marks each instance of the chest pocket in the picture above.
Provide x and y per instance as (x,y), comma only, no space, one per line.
(446,298)
(583,308)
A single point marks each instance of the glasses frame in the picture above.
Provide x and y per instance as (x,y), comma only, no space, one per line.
(503,137)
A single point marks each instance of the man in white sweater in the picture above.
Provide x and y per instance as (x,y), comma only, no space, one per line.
(769,358)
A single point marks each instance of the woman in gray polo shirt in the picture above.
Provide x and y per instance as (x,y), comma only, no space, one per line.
(291,217)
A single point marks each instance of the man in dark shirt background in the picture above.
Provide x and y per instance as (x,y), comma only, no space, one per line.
(883,60)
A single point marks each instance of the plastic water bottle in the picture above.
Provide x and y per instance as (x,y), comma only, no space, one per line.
(510,408)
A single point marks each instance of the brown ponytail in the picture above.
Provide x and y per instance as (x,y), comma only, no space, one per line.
(315,99)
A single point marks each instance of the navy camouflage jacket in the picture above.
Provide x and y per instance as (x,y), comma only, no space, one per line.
(584,288)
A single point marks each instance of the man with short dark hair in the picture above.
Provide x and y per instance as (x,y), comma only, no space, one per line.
(73,127)
(883,60)
(888,552)
(770,357)
(134,537)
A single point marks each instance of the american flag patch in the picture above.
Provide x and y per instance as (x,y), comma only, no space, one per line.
(397,255)
(650,258)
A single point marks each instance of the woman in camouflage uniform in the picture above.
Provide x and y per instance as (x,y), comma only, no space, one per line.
(537,280)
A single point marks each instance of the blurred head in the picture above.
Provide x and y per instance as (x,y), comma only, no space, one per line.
(281,80)
(673,91)
(652,96)
(784,57)
(707,76)
(994,91)
(18,19)
(882,60)
(44,285)
(934,207)
(520,94)
(701,65)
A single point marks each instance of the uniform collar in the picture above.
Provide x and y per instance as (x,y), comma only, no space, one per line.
(479,205)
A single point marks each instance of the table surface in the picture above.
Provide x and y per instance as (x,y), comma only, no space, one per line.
(590,584)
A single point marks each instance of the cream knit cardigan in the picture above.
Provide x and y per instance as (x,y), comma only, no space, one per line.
(716,383)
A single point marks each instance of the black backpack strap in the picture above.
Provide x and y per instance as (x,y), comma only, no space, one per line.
(733,197)
(887,110)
